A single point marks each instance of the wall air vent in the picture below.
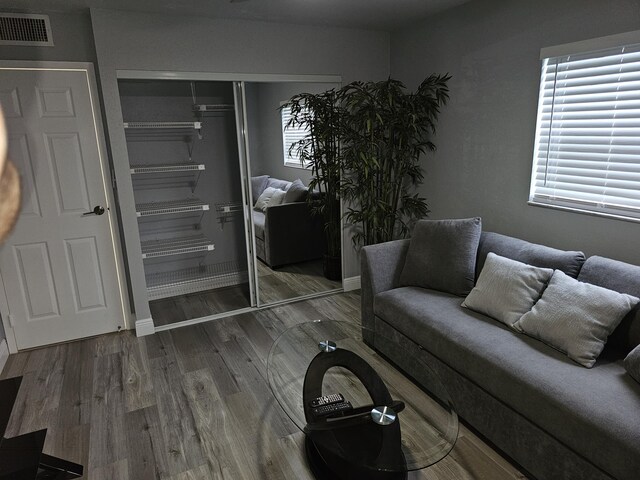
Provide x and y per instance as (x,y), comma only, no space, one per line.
(25,29)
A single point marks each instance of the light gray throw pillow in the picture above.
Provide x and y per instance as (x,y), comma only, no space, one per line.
(632,364)
(276,199)
(507,289)
(263,199)
(297,192)
(576,317)
(442,255)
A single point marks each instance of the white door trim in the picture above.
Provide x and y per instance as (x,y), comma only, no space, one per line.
(89,72)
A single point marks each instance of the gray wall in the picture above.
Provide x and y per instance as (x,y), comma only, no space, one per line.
(135,41)
(72,36)
(73,39)
(486,134)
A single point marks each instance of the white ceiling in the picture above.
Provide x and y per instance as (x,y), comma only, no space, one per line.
(373,14)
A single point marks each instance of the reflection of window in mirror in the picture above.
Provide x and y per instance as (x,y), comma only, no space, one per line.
(290,135)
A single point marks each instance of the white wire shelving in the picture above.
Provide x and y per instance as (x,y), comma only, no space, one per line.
(165,131)
(195,279)
(167,175)
(213,107)
(163,125)
(176,246)
(173,207)
(168,168)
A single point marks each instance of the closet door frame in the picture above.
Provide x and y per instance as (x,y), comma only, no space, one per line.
(144,326)
(240,102)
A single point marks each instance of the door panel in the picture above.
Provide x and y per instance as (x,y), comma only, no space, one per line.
(39,292)
(10,102)
(21,156)
(84,268)
(55,102)
(58,265)
(63,151)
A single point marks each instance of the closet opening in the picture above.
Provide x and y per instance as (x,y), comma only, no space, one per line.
(200,155)
(186,177)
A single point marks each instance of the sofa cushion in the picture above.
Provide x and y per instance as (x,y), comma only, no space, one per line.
(507,289)
(569,262)
(621,277)
(258,223)
(589,410)
(632,364)
(297,192)
(442,255)
(258,184)
(576,317)
(277,183)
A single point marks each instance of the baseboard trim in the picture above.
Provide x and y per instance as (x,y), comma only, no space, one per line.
(4,354)
(351,283)
(145,327)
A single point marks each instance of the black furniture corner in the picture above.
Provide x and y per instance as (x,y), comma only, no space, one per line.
(21,457)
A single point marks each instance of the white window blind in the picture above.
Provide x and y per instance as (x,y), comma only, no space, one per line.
(587,148)
(291,135)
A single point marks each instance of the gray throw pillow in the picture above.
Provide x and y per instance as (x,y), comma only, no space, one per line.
(576,317)
(258,184)
(507,289)
(632,363)
(277,183)
(442,255)
(297,192)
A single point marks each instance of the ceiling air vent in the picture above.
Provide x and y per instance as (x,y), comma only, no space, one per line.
(25,29)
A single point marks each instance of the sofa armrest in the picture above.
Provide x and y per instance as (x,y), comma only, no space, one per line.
(292,234)
(380,268)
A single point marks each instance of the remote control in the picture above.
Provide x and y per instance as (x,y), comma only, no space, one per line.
(326,400)
(332,408)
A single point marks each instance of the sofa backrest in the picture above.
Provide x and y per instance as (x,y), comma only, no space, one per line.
(569,262)
(624,278)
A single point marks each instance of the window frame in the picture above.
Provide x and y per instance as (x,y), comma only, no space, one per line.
(590,207)
(289,160)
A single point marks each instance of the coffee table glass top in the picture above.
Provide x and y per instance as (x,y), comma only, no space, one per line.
(428,428)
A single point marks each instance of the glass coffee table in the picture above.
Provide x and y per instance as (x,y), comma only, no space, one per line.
(362,418)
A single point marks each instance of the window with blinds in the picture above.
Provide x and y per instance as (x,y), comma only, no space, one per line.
(290,135)
(587,147)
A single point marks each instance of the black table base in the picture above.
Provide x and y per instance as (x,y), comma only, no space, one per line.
(341,470)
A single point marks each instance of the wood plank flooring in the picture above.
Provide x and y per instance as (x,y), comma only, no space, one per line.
(189,404)
(290,281)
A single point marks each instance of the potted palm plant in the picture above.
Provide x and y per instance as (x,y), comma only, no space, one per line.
(384,132)
(319,115)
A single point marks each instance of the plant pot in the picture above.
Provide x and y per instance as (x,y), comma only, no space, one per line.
(332,267)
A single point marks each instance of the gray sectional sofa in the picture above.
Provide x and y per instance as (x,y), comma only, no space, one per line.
(553,417)
(286,233)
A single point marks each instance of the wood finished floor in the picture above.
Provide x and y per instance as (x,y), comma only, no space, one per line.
(189,404)
(290,281)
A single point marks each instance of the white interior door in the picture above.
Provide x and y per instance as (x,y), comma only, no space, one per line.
(58,266)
